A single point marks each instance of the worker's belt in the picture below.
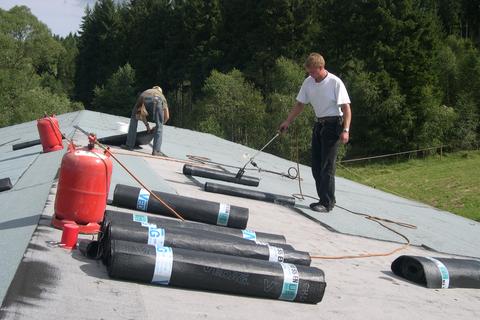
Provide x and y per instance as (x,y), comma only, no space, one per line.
(332,119)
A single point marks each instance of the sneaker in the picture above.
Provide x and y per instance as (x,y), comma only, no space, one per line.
(124,146)
(317,206)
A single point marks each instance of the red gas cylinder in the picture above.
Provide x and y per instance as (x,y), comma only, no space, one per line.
(83,185)
(49,132)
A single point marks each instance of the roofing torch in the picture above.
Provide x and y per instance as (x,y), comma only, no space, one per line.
(241,172)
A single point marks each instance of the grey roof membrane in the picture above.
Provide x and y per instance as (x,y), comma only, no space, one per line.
(436,229)
(32,174)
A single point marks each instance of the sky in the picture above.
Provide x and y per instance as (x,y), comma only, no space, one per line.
(61,16)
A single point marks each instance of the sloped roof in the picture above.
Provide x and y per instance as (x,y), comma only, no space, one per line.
(51,281)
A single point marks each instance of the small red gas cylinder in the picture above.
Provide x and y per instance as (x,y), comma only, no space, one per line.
(83,186)
(49,132)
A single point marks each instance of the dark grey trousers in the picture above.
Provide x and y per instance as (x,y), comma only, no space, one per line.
(154,107)
(325,142)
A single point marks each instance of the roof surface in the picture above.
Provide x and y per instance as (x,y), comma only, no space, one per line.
(51,281)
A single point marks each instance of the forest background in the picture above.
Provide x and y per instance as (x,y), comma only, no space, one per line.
(233,68)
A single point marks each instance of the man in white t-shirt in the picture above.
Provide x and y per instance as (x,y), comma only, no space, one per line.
(329,98)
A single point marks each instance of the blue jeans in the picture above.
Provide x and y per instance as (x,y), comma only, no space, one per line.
(154,107)
(325,142)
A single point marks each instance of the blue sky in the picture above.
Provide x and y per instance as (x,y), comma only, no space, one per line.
(61,16)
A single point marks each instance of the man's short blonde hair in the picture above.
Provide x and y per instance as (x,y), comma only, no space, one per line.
(314,60)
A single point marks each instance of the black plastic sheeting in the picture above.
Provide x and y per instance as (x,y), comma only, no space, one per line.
(143,137)
(438,272)
(135,219)
(28,144)
(190,170)
(250,194)
(5,184)
(203,241)
(189,208)
(215,272)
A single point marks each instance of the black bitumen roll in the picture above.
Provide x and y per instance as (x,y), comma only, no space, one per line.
(26,144)
(204,241)
(143,137)
(5,184)
(219,175)
(215,272)
(250,194)
(189,208)
(132,218)
(438,272)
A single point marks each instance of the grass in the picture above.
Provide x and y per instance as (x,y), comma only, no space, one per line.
(450,182)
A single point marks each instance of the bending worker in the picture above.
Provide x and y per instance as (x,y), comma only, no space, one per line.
(331,103)
(150,102)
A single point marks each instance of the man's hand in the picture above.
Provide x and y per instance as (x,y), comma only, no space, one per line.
(344,137)
(284,126)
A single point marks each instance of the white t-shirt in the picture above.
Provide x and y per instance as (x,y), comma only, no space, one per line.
(325,96)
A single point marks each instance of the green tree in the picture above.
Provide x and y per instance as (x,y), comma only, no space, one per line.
(29,55)
(287,77)
(99,48)
(118,95)
(232,107)
(255,33)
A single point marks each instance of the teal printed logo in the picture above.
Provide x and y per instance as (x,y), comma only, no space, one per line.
(163,250)
(142,201)
(140,218)
(223,214)
(443,272)
(291,280)
(156,236)
(249,235)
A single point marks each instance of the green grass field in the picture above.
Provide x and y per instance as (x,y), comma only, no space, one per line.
(450,182)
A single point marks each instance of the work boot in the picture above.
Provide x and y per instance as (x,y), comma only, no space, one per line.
(317,206)
(124,146)
(158,153)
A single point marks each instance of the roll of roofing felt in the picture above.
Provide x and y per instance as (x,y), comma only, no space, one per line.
(142,138)
(5,184)
(189,170)
(438,272)
(251,194)
(189,208)
(26,144)
(129,218)
(216,272)
(204,241)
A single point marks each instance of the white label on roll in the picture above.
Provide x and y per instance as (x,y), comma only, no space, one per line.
(146,225)
(291,280)
(142,201)
(275,254)
(223,214)
(443,272)
(163,265)
(156,236)
(249,235)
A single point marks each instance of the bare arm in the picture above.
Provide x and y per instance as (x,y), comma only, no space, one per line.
(166,115)
(347,118)
(296,110)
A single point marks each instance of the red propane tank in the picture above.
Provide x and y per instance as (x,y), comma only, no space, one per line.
(82,191)
(49,132)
